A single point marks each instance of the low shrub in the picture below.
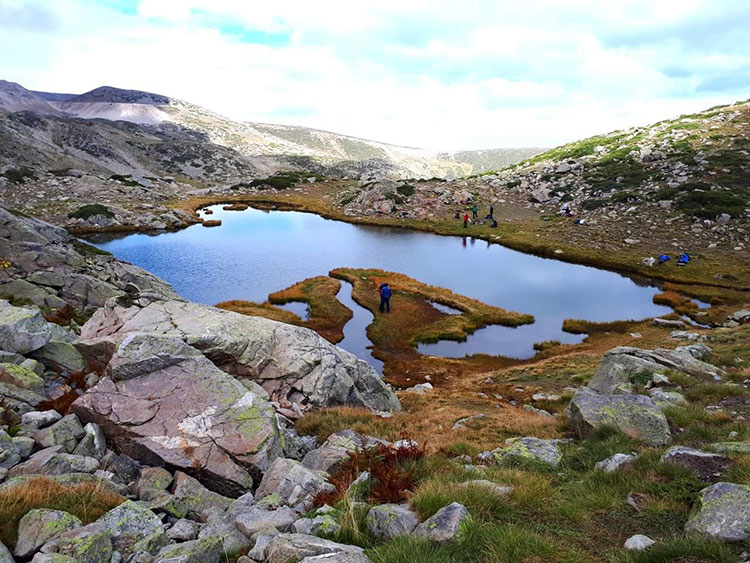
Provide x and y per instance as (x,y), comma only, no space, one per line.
(91,210)
(709,205)
(18,175)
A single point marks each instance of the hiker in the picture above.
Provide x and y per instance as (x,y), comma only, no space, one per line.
(457,215)
(385,298)
(492,211)
(683,259)
(474,211)
(494,224)
(466,220)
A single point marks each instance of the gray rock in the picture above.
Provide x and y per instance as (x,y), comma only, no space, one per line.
(262,539)
(22,330)
(288,362)
(635,415)
(722,512)
(387,521)
(337,448)
(530,448)
(619,365)
(206,550)
(10,452)
(152,543)
(24,444)
(706,466)
(53,461)
(66,432)
(5,556)
(153,479)
(61,357)
(183,530)
(93,444)
(67,479)
(40,419)
(33,365)
(638,542)
(258,519)
(295,484)
(22,377)
(40,525)
(52,558)
(666,399)
(125,467)
(223,432)
(197,498)
(612,464)
(445,525)
(337,558)
(668,323)
(129,523)
(293,547)
(89,544)
(732,448)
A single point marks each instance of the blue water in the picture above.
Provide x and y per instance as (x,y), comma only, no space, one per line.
(255,253)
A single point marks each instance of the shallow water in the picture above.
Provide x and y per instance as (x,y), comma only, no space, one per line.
(255,253)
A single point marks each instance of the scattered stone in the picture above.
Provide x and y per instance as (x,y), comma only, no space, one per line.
(293,547)
(638,542)
(387,521)
(53,461)
(530,448)
(337,448)
(420,388)
(205,550)
(88,544)
(258,519)
(197,498)
(444,525)
(66,432)
(153,479)
(61,357)
(93,444)
(667,398)
(183,530)
(668,323)
(129,523)
(295,484)
(40,419)
(722,512)
(22,330)
(612,464)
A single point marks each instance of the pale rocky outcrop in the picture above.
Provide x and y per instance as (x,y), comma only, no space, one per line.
(290,363)
(722,512)
(164,403)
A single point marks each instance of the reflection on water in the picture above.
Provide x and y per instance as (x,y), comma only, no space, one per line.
(355,331)
(255,253)
(302,310)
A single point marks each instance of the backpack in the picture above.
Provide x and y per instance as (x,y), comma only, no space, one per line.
(386,293)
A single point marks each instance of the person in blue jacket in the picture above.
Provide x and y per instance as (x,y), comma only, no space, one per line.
(385,298)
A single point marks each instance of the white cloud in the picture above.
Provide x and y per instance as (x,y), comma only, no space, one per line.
(434,74)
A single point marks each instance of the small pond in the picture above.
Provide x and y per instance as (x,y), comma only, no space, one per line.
(255,253)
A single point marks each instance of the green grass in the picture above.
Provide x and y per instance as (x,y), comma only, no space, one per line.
(88,250)
(683,549)
(708,205)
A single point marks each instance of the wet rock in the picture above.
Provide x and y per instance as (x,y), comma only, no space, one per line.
(635,415)
(295,484)
(89,544)
(290,547)
(289,362)
(619,365)
(164,403)
(530,448)
(722,512)
(337,448)
(40,525)
(387,521)
(706,466)
(256,519)
(66,432)
(22,330)
(444,525)
(129,523)
(206,550)
(612,464)
(638,542)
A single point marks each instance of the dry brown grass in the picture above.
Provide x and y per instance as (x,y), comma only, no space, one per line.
(581,326)
(87,501)
(235,207)
(266,310)
(212,223)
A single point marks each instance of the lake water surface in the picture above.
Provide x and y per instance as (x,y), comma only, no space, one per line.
(255,253)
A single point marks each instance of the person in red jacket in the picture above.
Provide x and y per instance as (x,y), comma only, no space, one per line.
(466,220)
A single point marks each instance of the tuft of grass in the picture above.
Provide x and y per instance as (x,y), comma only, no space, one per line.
(582,326)
(604,443)
(435,493)
(696,550)
(88,250)
(324,422)
(87,501)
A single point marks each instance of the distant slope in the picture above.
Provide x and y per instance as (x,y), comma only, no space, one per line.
(14,97)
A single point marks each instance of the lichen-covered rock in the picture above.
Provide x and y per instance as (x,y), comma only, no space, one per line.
(619,365)
(184,530)
(40,525)
(152,479)
(22,329)
(387,521)
(295,547)
(615,462)
(52,558)
(22,377)
(732,448)
(256,519)
(205,550)
(152,543)
(290,362)
(665,399)
(722,512)
(444,525)
(531,449)
(197,498)
(705,465)
(337,448)
(53,461)
(66,432)
(164,403)
(634,415)
(39,419)
(10,453)
(129,523)
(88,544)
(490,487)
(60,356)
(295,484)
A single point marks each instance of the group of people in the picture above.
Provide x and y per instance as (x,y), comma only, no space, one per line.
(475,215)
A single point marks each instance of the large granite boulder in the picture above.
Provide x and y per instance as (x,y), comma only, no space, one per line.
(290,363)
(722,512)
(22,329)
(129,523)
(50,267)
(635,415)
(620,364)
(164,403)
(40,525)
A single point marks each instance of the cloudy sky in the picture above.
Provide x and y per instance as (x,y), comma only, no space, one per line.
(428,73)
